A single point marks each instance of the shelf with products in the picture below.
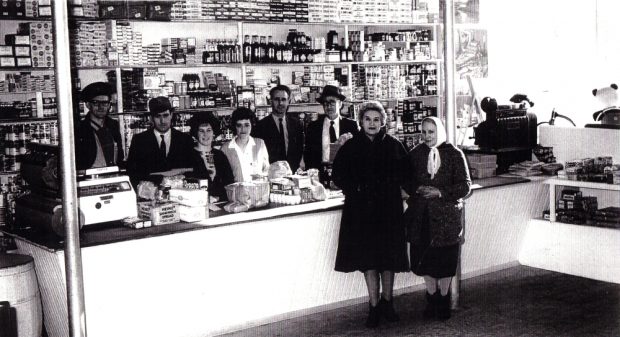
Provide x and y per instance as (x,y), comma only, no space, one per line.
(571,206)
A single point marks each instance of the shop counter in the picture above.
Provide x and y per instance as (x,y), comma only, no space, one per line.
(234,271)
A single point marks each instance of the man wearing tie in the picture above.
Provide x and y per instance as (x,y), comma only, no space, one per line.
(160,148)
(327,129)
(282,134)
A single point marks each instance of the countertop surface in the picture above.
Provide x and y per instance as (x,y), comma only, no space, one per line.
(100,234)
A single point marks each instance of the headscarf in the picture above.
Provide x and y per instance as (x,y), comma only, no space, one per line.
(434,160)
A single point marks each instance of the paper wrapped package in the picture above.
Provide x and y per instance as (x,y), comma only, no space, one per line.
(279,169)
(252,194)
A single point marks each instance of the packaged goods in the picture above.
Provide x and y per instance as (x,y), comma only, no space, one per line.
(279,169)
(251,194)
(189,197)
(192,214)
(159,214)
(136,223)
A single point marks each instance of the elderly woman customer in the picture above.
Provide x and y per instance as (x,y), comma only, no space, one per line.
(209,163)
(437,180)
(372,236)
(247,155)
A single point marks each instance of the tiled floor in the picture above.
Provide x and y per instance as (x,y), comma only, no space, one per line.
(520,301)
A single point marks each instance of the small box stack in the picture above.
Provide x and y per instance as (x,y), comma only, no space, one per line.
(399,11)
(88,42)
(573,207)
(128,44)
(482,165)
(345,11)
(41,44)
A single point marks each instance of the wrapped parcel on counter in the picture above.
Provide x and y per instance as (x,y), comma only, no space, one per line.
(252,194)
(159,213)
(189,197)
(193,213)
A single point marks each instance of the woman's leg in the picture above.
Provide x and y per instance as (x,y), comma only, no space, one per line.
(443,309)
(386,303)
(431,297)
(372,283)
(431,284)
(387,284)
(444,285)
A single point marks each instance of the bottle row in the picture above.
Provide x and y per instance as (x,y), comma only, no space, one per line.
(36,107)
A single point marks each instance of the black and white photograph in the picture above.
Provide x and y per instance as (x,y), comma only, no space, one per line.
(302,168)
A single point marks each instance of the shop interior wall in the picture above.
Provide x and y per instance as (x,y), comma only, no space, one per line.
(555,51)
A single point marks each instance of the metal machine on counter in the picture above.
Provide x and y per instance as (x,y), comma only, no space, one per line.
(510,132)
(104,195)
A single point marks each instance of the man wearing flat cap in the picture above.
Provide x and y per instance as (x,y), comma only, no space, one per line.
(327,129)
(98,141)
(160,148)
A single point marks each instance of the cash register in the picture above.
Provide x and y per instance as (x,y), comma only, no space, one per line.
(104,194)
(509,131)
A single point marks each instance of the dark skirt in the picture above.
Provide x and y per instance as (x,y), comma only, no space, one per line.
(436,262)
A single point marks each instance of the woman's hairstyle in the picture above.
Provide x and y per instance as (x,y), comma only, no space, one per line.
(200,119)
(371,106)
(241,114)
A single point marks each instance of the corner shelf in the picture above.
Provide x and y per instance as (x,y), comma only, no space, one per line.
(553,182)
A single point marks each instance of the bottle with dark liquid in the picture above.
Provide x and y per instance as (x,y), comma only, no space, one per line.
(262,50)
(271,50)
(247,49)
(255,49)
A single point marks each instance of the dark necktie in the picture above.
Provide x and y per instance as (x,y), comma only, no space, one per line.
(162,146)
(332,132)
(282,141)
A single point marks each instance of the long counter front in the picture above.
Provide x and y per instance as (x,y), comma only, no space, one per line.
(239,270)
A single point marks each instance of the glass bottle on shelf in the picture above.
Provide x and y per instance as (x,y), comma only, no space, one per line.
(279,50)
(271,50)
(288,53)
(255,58)
(263,50)
(247,49)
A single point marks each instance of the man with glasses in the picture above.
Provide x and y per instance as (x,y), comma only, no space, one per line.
(98,141)
(283,135)
(327,129)
(160,148)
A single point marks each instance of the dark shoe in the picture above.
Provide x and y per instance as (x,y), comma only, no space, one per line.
(374,315)
(431,305)
(443,310)
(387,310)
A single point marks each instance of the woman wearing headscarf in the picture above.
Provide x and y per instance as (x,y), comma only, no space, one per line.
(372,237)
(437,180)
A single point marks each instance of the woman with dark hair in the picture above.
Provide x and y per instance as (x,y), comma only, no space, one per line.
(247,155)
(209,163)
(372,236)
(437,181)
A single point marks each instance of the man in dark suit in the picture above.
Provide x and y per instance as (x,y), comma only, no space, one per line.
(161,148)
(98,141)
(283,135)
(328,129)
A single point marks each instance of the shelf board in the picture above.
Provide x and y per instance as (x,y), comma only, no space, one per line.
(396,62)
(46,18)
(198,65)
(294,64)
(181,111)
(25,93)
(582,184)
(300,104)
(26,120)
(257,22)
(396,98)
(26,69)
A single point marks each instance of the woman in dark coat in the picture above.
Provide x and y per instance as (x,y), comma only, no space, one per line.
(437,180)
(209,163)
(372,236)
